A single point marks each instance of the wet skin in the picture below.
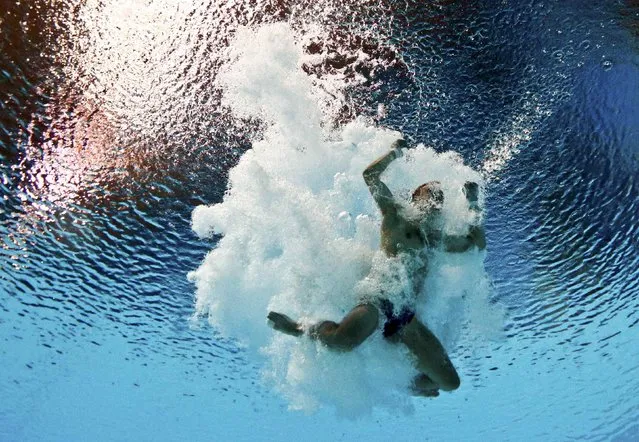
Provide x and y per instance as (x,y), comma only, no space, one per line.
(401,235)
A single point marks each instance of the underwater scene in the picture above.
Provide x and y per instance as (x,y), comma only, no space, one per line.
(206,220)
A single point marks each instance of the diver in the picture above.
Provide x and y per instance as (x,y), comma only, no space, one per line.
(407,239)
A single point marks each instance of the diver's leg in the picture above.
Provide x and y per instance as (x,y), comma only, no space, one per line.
(432,359)
(284,324)
(356,326)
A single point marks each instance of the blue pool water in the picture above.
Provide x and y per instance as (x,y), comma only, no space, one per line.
(117,120)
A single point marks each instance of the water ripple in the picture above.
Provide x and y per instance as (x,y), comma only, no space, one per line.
(112,130)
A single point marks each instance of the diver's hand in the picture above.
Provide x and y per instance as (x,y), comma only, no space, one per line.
(399,144)
(397,147)
(284,324)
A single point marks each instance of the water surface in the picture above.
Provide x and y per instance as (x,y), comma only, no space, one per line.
(112,130)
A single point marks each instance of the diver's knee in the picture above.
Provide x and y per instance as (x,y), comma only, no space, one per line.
(343,345)
(352,342)
(450,382)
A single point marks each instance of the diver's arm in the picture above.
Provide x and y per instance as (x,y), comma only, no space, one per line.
(457,243)
(476,237)
(463,243)
(372,176)
(476,234)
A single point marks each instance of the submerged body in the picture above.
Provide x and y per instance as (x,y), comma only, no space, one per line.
(406,240)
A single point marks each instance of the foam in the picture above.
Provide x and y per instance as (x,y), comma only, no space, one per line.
(300,233)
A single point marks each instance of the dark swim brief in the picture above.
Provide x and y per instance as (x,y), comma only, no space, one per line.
(394,323)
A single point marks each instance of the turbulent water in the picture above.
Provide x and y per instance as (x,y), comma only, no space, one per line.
(299,233)
(124,127)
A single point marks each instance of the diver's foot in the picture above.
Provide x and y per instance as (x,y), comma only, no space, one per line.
(425,393)
(424,386)
(284,324)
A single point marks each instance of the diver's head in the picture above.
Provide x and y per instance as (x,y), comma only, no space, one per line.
(429,197)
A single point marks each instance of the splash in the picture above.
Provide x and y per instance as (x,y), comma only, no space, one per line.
(300,234)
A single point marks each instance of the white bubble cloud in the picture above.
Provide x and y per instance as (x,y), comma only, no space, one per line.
(300,233)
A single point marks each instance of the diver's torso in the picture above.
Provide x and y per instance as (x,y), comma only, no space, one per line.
(404,242)
(401,236)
